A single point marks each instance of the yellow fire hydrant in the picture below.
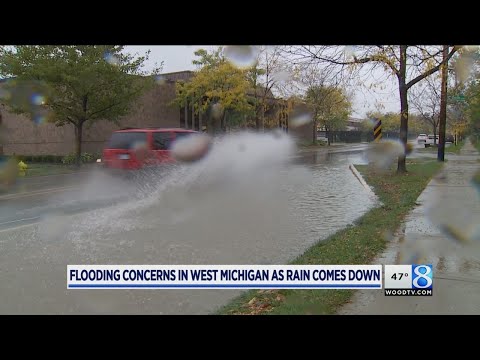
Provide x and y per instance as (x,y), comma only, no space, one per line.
(22,168)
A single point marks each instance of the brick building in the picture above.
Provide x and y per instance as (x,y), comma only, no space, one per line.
(154,109)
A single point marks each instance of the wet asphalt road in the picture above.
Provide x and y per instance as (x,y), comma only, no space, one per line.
(92,218)
(32,198)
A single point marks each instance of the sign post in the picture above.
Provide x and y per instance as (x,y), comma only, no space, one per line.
(377,131)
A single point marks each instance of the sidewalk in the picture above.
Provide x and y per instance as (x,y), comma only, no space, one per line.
(449,200)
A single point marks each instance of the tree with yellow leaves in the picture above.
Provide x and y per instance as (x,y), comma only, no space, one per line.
(218,90)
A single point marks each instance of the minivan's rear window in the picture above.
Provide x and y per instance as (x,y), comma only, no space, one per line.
(127,140)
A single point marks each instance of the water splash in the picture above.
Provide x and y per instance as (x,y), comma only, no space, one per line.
(191,148)
(350,51)
(241,56)
(39,119)
(217,110)
(160,79)
(282,75)
(464,66)
(216,185)
(112,59)
(38,99)
(383,154)
(301,119)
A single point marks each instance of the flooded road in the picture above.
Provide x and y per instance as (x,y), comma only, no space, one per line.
(253,200)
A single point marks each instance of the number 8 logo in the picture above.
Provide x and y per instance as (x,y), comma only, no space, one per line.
(424,276)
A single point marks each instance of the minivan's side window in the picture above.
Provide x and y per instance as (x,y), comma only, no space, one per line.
(127,139)
(182,134)
(161,140)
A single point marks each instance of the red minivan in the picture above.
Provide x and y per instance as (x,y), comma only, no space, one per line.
(134,149)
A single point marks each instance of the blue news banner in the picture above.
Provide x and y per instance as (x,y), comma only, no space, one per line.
(400,280)
(224,276)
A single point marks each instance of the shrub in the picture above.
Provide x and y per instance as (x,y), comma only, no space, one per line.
(85,158)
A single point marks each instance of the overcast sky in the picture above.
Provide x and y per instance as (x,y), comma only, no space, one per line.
(179,57)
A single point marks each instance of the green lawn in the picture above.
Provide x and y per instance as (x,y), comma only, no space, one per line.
(38,169)
(476,177)
(357,244)
(311,145)
(454,149)
(477,144)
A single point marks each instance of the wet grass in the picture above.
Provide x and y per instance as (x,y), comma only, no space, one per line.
(359,243)
(453,149)
(476,143)
(39,169)
(310,145)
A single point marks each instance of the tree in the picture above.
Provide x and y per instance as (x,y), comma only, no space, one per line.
(427,103)
(408,64)
(219,89)
(390,120)
(472,96)
(463,111)
(268,73)
(330,108)
(78,85)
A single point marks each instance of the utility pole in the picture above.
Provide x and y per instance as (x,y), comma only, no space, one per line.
(443,106)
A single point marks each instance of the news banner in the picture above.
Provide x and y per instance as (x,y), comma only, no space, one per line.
(399,280)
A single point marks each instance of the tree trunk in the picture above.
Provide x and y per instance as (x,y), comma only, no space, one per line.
(78,143)
(258,122)
(434,135)
(443,107)
(262,120)
(314,129)
(327,132)
(402,167)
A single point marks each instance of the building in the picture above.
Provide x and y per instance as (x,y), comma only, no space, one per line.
(153,109)
(354,124)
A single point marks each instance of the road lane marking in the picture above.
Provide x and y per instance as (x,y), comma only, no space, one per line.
(60,174)
(19,227)
(14,221)
(38,192)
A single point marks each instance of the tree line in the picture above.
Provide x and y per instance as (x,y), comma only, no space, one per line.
(79,85)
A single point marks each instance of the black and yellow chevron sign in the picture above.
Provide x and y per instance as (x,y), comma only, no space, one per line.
(377,131)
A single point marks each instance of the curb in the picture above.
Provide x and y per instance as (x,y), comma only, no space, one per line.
(360,178)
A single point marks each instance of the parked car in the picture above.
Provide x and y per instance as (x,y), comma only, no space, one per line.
(449,139)
(431,140)
(133,149)
(421,138)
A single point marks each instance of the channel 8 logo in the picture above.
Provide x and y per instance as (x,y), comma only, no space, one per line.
(422,276)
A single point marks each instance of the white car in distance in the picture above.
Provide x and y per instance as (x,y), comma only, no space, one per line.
(422,138)
(430,140)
